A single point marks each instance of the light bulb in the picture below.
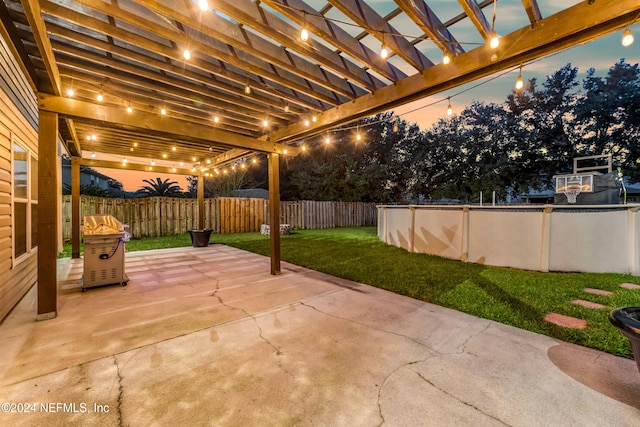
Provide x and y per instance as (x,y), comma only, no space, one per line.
(99,97)
(181,164)
(216,119)
(303,147)
(70,92)
(186,54)
(247,90)
(93,155)
(446,59)
(519,82)
(124,160)
(163,111)
(304,34)
(164,156)
(358,137)
(265,123)
(327,140)
(495,41)
(314,119)
(173,148)
(396,125)
(153,162)
(286,108)
(203,5)
(627,38)
(306,122)
(284,151)
(93,137)
(129,109)
(449,109)
(384,52)
(255,161)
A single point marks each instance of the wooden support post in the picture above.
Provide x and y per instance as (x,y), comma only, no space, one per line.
(49,217)
(201,202)
(75,208)
(274,211)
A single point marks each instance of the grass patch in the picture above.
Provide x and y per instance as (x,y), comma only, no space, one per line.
(513,297)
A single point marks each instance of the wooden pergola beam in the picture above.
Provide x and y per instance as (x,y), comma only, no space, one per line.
(154,123)
(576,25)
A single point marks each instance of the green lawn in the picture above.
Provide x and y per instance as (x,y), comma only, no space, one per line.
(513,297)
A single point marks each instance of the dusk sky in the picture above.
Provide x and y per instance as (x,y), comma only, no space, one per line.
(600,54)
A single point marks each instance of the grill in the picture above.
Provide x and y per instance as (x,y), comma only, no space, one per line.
(104,238)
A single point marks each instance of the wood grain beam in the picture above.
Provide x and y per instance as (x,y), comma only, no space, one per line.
(251,14)
(532,9)
(476,16)
(365,16)
(335,35)
(176,55)
(428,21)
(578,24)
(39,30)
(154,123)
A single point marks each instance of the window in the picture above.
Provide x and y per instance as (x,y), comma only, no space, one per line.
(25,199)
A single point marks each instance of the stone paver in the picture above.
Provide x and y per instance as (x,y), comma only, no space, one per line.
(565,321)
(597,291)
(587,304)
(629,286)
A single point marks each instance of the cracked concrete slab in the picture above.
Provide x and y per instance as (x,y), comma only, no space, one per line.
(240,347)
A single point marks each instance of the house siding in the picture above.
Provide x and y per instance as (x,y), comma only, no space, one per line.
(18,116)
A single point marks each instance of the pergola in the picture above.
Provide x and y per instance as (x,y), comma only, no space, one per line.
(211,84)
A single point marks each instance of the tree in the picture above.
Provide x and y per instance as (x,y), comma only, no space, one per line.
(159,187)
(224,183)
(608,116)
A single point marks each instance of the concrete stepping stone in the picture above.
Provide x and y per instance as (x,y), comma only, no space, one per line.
(629,286)
(597,291)
(565,321)
(587,304)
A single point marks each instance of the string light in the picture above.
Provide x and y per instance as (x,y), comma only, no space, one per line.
(216,119)
(153,162)
(163,112)
(124,160)
(306,122)
(247,89)
(100,98)
(265,123)
(93,155)
(286,107)
(173,148)
(186,54)
(519,82)
(383,49)
(495,40)
(446,58)
(129,109)
(358,136)
(449,108)
(327,140)
(70,92)
(627,37)
(314,119)
(304,33)
(203,5)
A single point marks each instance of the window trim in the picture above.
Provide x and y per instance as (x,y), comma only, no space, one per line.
(16,260)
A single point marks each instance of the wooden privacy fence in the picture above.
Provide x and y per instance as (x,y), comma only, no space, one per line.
(158,216)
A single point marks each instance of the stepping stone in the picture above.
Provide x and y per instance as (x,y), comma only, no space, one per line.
(587,304)
(565,321)
(629,286)
(597,291)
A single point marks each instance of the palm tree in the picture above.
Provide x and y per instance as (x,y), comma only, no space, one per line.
(158,187)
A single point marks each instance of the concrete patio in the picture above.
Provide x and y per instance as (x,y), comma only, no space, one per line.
(206,336)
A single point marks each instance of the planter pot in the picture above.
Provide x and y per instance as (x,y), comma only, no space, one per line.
(200,238)
(627,319)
